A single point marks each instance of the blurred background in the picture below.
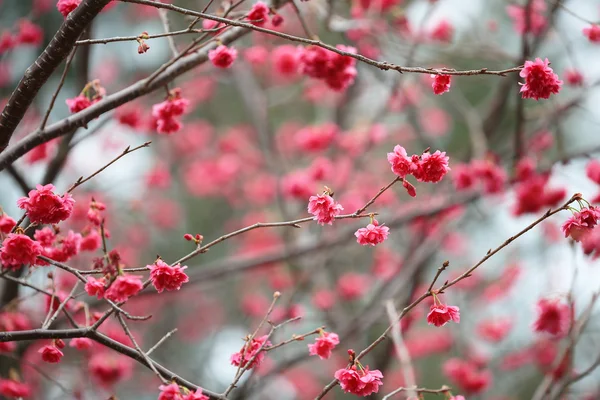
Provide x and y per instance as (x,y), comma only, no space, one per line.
(247,154)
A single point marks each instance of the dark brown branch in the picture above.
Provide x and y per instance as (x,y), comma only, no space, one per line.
(39,72)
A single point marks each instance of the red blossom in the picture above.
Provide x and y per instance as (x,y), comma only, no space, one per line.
(222,56)
(12,388)
(372,235)
(43,206)
(323,345)
(361,382)
(259,13)
(123,288)
(18,249)
(324,208)
(441,83)
(432,167)
(166,277)
(553,317)
(540,80)
(66,6)
(592,32)
(95,287)
(402,165)
(51,354)
(250,351)
(169,392)
(441,314)
(6,223)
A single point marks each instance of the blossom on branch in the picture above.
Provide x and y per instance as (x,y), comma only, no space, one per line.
(123,288)
(222,56)
(166,277)
(251,349)
(441,83)
(540,80)
(324,208)
(323,345)
(372,235)
(18,249)
(43,206)
(359,381)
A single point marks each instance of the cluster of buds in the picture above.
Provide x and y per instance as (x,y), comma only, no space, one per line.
(142,46)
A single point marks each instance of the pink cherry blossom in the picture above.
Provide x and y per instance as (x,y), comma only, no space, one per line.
(166,277)
(123,288)
(372,235)
(323,345)
(441,314)
(324,208)
(553,317)
(222,56)
(51,354)
(43,206)
(18,249)
(540,80)
(360,382)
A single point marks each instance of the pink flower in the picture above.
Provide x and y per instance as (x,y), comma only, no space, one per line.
(441,83)
(166,113)
(108,368)
(287,60)
(81,343)
(537,20)
(316,138)
(463,176)
(336,70)
(95,287)
(466,375)
(78,103)
(18,249)
(6,223)
(50,354)
(495,330)
(66,6)
(540,80)
(163,276)
(459,397)
(324,208)
(432,167)
(169,392)
(11,388)
(259,14)
(30,33)
(581,223)
(361,383)
(323,345)
(402,165)
(352,285)
(372,235)
(442,32)
(553,317)
(249,351)
(573,77)
(592,33)
(441,314)
(222,56)
(44,207)
(592,171)
(123,288)
(197,395)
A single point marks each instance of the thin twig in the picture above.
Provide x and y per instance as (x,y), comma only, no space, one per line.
(57,91)
(161,341)
(137,347)
(383,65)
(128,150)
